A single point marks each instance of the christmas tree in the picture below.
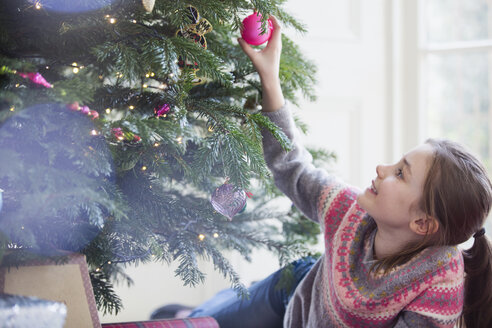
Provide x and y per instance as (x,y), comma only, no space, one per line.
(130,132)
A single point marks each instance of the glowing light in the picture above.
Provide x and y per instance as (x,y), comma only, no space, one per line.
(216,235)
(12,108)
(75,70)
(17,85)
(179,139)
(171,75)
(47,67)
(98,269)
(152,74)
(201,237)
(157,144)
(37,5)
(108,110)
(131,107)
(112,20)
(94,132)
(74,64)
(109,262)
(147,75)
(210,129)
(134,21)
(144,86)
(163,86)
(144,168)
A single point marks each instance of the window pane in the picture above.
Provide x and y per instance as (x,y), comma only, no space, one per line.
(458,100)
(456,20)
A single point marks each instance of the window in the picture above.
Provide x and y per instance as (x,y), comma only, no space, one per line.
(455,83)
(456,46)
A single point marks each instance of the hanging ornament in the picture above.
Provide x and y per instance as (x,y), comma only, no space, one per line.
(36,78)
(196,32)
(127,137)
(228,200)
(84,109)
(148,5)
(251,30)
(161,110)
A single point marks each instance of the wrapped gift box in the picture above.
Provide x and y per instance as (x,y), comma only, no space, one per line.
(68,283)
(201,322)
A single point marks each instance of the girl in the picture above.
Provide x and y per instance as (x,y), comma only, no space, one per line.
(391,257)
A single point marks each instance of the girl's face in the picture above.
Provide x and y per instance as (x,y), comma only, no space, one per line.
(393,197)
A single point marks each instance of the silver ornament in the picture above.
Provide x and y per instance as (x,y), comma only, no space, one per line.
(228,200)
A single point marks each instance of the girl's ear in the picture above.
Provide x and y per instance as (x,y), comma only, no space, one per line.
(426,225)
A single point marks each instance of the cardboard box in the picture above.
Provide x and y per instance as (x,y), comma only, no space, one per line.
(68,283)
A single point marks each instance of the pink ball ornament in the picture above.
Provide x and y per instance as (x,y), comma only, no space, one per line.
(251,30)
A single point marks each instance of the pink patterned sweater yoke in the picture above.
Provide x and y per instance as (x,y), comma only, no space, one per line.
(340,290)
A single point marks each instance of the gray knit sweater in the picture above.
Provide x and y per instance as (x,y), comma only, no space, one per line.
(339,291)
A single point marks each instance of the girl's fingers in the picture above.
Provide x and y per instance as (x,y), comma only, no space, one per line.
(246,48)
(277,30)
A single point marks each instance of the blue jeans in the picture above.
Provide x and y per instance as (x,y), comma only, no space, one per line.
(265,308)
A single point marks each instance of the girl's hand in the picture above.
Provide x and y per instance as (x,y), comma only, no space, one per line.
(267,60)
(267,64)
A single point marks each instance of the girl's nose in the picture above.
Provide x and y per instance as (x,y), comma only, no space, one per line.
(380,170)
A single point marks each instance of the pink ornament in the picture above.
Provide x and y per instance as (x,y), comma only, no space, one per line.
(251,30)
(36,78)
(74,106)
(161,110)
(228,200)
(136,138)
(85,110)
(94,114)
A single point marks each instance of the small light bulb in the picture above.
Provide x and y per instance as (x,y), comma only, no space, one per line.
(112,20)
(74,64)
(109,262)
(134,21)
(94,132)
(131,107)
(108,110)
(75,70)
(12,108)
(47,67)
(179,139)
(201,237)
(152,74)
(144,168)
(210,129)
(171,75)
(144,86)
(37,5)
(107,16)
(17,85)
(216,235)
(147,75)
(121,75)
(98,269)
(156,144)
(163,86)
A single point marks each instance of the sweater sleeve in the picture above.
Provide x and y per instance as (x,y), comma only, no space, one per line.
(293,172)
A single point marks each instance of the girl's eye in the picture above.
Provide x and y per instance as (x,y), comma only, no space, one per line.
(399,173)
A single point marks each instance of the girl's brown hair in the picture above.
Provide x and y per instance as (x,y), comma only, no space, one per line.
(458,192)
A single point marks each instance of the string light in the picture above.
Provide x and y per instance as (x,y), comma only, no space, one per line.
(201,237)
(134,21)
(156,144)
(47,67)
(37,5)
(17,85)
(144,168)
(144,86)
(108,110)
(94,132)
(163,86)
(216,235)
(75,70)
(98,269)
(131,107)
(74,64)
(12,108)
(152,74)
(109,262)
(147,75)
(112,20)
(210,129)
(179,139)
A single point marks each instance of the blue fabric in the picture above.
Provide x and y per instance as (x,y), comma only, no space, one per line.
(265,307)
